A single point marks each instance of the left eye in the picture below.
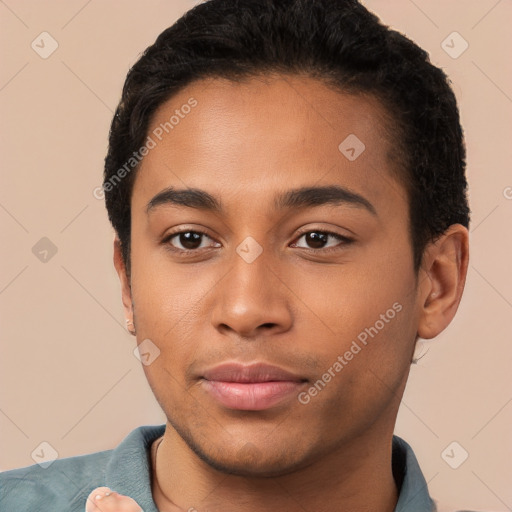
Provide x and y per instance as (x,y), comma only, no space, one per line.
(318,239)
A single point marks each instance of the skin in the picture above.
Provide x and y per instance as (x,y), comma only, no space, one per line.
(295,306)
(104,499)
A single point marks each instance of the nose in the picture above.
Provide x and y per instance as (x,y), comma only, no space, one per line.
(252,300)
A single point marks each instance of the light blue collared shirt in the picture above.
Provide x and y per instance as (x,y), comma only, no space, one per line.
(66,483)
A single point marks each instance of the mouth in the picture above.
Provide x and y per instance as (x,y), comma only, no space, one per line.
(253,387)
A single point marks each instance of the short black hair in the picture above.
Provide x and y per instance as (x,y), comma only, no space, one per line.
(337,41)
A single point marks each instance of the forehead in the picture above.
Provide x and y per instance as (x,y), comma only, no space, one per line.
(267,133)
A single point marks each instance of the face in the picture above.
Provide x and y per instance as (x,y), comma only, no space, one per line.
(318,284)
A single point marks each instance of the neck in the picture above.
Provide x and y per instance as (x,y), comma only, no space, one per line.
(356,477)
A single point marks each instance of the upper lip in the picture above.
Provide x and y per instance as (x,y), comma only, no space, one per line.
(243,373)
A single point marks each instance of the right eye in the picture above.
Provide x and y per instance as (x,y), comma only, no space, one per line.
(189,240)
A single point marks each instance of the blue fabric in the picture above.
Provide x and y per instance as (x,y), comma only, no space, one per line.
(414,496)
(66,483)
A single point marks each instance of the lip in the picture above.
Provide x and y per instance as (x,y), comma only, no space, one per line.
(253,387)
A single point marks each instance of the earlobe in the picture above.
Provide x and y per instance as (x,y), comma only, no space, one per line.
(126,292)
(445,267)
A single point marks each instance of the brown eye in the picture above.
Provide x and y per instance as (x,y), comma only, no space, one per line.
(186,240)
(318,239)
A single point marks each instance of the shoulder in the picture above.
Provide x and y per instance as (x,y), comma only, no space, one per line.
(64,485)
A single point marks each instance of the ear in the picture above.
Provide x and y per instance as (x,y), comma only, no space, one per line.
(126,291)
(444,269)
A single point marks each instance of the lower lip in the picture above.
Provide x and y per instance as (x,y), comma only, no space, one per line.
(251,396)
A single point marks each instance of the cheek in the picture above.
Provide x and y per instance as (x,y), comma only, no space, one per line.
(162,315)
(369,320)
(358,322)
(166,296)
(355,296)
(362,371)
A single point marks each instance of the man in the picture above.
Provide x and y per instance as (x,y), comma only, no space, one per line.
(286,180)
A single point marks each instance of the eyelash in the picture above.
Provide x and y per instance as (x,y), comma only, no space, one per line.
(186,252)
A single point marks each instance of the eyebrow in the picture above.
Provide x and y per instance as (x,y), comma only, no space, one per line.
(296,198)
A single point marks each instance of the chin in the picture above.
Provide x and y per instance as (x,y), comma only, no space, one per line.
(265,460)
(251,463)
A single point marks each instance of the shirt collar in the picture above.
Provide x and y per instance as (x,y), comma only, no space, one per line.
(129,469)
(414,495)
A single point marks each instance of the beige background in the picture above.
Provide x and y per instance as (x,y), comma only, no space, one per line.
(68,375)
